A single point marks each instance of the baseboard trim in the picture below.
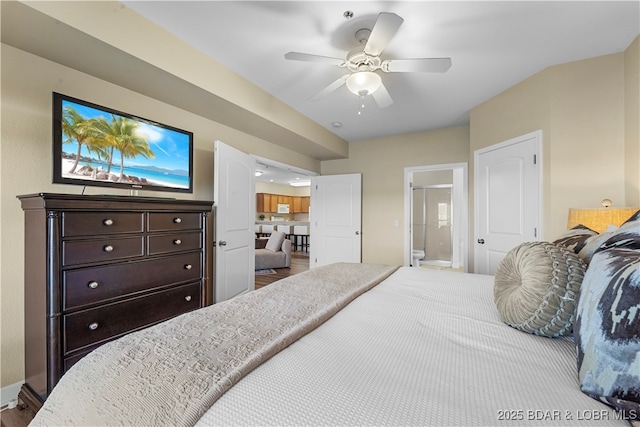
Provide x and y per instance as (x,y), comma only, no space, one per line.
(9,395)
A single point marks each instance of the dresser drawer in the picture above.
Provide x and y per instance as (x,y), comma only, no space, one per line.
(167,243)
(84,251)
(165,221)
(91,285)
(93,223)
(104,323)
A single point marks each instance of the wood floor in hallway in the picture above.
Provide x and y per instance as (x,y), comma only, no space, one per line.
(299,263)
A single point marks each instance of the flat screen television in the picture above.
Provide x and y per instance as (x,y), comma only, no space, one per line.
(99,146)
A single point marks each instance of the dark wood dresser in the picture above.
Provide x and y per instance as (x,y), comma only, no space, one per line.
(99,267)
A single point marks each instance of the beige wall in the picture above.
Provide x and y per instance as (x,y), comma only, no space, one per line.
(632,122)
(26,159)
(579,107)
(381,163)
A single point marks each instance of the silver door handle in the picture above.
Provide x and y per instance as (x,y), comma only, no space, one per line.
(357,233)
(222,243)
(481,241)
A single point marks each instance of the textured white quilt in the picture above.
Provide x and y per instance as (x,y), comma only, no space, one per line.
(423,348)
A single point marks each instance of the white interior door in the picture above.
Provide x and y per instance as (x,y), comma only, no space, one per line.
(234,195)
(336,219)
(507,199)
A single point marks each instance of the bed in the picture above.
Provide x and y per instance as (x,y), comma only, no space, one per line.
(345,344)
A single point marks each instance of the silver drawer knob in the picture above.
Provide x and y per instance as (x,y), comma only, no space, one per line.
(177,242)
(177,220)
(93,284)
(108,248)
(108,222)
(187,298)
(93,326)
(188,267)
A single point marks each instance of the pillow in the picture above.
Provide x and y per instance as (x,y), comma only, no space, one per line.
(626,236)
(593,243)
(607,330)
(261,242)
(275,241)
(536,287)
(575,238)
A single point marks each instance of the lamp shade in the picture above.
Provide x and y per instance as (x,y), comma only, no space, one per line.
(363,82)
(599,219)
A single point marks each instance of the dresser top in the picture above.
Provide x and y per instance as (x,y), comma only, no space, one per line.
(116,202)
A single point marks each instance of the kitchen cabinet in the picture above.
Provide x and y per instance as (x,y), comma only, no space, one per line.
(287,200)
(268,203)
(300,204)
(273,203)
(296,206)
(263,202)
(305,202)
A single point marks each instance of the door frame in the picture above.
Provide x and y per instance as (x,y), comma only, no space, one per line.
(279,165)
(460,220)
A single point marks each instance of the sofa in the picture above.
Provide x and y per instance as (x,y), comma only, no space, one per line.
(273,252)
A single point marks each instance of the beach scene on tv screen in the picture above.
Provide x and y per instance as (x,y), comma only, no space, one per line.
(104,147)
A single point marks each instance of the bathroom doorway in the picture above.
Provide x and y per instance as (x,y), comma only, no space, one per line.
(436,211)
(432,225)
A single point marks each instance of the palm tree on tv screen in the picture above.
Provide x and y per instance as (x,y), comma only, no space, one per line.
(120,133)
(78,128)
(126,140)
(103,136)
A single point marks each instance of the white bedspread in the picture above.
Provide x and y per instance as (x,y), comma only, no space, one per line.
(424,347)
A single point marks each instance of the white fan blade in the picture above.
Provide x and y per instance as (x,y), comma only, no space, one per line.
(382,97)
(332,87)
(426,65)
(298,56)
(383,31)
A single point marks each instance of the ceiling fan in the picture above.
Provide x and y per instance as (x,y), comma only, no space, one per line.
(363,62)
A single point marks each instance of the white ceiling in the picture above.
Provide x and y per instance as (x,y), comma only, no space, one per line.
(493,45)
(279,173)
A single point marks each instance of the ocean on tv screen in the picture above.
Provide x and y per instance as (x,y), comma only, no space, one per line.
(135,175)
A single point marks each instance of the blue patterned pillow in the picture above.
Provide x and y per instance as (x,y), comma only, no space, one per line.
(607,330)
(593,243)
(575,238)
(626,236)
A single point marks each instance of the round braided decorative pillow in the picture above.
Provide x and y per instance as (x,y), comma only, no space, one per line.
(536,288)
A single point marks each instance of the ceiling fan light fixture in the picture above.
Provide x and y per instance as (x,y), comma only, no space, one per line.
(363,83)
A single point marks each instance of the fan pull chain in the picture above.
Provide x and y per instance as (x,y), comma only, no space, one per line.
(361,104)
